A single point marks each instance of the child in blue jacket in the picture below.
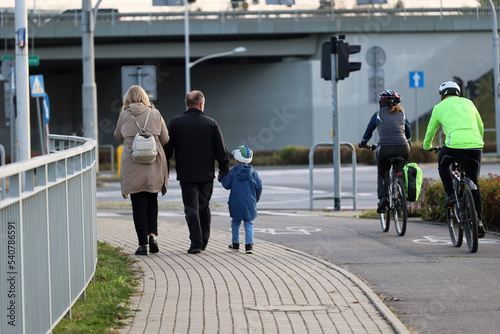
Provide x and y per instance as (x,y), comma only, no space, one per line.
(246,188)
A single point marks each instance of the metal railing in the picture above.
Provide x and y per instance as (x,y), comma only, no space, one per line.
(48,235)
(311,172)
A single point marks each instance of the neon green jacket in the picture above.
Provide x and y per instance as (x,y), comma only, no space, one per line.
(461,122)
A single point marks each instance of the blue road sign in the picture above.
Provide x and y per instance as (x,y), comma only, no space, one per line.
(417,79)
(37,88)
(46,109)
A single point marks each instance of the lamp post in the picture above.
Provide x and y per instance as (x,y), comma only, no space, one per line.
(197,61)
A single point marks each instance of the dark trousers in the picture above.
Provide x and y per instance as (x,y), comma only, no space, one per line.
(384,166)
(196,198)
(145,214)
(447,156)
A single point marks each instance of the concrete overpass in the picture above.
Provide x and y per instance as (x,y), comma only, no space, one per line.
(272,95)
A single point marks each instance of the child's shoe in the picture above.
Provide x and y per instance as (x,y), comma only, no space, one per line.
(234,246)
(249,248)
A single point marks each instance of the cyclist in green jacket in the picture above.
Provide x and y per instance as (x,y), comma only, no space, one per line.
(464,130)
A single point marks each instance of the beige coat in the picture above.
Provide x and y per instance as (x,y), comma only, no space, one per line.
(137,177)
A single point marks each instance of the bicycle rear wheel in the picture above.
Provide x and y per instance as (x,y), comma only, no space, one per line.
(385,219)
(456,232)
(470,221)
(400,209)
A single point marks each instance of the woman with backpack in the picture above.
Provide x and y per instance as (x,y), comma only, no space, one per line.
(141,178)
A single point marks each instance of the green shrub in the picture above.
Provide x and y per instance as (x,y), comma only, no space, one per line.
(294,155)
(266,158)
(490,147)
(323,155)
(491,201)
(432,197)
(299,155)
(364,156)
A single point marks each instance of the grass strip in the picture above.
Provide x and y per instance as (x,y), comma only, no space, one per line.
(105,305)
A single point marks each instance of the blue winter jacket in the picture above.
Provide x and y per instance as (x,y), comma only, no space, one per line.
(246,188)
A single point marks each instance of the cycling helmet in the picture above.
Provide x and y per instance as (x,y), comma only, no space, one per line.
(449,88)
(390,97)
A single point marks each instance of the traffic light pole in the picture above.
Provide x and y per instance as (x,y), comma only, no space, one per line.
(335,128)
(495,74)
(22,84)
(335,66)
(89,90)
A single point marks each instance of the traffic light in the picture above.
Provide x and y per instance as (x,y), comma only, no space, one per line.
(344,67)
(473,89)
(326,60)
(460,84)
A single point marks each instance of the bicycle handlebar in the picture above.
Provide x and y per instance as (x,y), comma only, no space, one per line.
(372,147)
(435,149)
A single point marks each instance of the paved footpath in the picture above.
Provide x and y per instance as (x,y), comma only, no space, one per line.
(274,290)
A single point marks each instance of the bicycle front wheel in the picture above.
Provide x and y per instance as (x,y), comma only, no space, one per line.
(456,232)
(400,208)
(469,221)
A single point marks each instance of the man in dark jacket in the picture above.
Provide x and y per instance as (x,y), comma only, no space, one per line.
(197,142)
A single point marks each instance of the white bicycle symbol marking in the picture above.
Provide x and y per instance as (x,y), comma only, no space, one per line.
(431,239)
(434,240)
(288,230)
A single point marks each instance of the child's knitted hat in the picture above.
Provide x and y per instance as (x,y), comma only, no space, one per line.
(243,154)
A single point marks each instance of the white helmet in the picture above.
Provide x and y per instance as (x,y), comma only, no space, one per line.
(449,88)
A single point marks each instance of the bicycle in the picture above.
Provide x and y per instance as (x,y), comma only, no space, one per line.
(397,196)
(462,217)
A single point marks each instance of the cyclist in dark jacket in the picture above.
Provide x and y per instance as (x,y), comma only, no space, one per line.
(394,133)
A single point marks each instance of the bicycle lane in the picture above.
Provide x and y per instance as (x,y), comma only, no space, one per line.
(432,285)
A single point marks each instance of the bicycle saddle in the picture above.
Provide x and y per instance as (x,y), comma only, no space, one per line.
(461,158)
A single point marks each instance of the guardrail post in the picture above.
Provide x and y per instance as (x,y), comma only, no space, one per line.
(354,180)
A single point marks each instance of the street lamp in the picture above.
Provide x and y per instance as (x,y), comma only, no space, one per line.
(197,61)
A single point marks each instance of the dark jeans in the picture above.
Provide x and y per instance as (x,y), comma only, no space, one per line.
(196,198)
(447,156)
(384,166)
(145,214)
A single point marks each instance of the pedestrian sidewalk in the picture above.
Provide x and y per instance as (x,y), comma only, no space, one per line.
(274,290)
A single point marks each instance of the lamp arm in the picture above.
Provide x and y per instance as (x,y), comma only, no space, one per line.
(221,54)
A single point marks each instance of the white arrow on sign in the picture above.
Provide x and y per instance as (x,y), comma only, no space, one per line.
(416,79)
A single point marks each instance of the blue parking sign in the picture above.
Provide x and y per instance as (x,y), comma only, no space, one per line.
(417,79)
